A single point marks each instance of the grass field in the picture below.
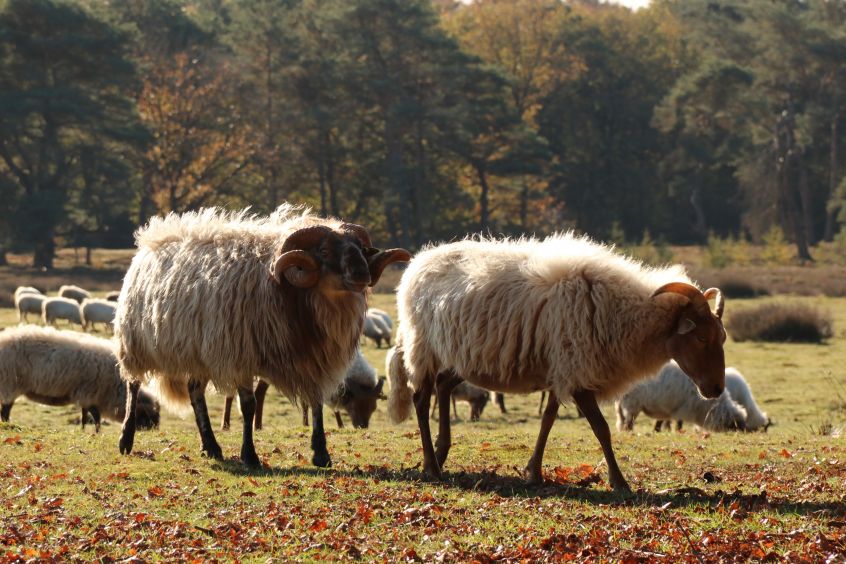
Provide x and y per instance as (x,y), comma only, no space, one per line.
(698,497)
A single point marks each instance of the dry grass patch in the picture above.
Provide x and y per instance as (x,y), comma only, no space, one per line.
(781,323)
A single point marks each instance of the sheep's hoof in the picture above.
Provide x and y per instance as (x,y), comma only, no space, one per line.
(127,439)
(213,451)
(433,472)
(251,459)
(321,460)
(621,486)
(533,476)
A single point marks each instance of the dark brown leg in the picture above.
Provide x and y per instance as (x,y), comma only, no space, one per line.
(587,403)
(454,409)
(5,410)
(658,424)
(321,457)
(95,415)
(261,392)
(500,401)
(540,405)
(446,382)
(679,424)
(227,412)
(248,409)
(305,414)
(84,417)
(534,469)
(127,433)
(422,398)
(339,420)
(196,391)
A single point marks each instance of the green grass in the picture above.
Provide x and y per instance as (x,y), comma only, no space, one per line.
(68,493)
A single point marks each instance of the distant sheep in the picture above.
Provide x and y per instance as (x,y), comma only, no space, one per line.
(98,311)
(376,329)
(20,290)
(741,393)
(113,296)
(562,314)
(671,395)
(474,395)
(383,314)
(65,367)
(222,297)
(29,303)
(53,309)
(74,293)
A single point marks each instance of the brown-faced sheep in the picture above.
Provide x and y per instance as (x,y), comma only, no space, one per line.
(223,297)
(562,314)
(65,367)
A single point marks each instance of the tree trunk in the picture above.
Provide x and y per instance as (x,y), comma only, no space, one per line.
(701,225)
(45,251)
(805,201)
(831,214)
(787,166)
(87,256)
(484,211)
(3,260)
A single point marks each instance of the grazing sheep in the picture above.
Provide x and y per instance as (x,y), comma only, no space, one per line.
(113,296)
(64,367)
(672,395)
(741,393)
(383,314)
(21,290)
(562,314)
(60,308)
(222,297)
(98,311)
(74,293)
(29,303)
(473,395)
(376,329)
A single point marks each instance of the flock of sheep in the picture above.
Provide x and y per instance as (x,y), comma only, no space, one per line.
(245,302)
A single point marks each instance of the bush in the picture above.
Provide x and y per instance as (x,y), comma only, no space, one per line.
(793,323)
(776,250)
(651,252)
(737,285)
(717,253)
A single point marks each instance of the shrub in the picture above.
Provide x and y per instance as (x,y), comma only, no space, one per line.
(737,285)
(717,253)
(776,249)
(651,252)
(796,323)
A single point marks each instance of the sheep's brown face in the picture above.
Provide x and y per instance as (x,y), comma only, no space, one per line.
(338,260)
(697,342)
(147,412)
(360,402)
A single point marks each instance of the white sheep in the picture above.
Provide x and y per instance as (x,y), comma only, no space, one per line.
(29,303)
(20,290)
(98,311)
(74,293)
(376,329)
(53,309)
(672,395)
(113,296)
(562,314)
(65,367)
(222,297)
(737,386)
(383,314)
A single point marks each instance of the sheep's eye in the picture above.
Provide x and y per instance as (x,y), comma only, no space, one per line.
(701,339)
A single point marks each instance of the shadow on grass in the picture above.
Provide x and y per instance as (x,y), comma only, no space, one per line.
(512,486)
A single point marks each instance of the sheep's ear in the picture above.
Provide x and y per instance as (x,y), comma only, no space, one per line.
(686,325)
(377,262)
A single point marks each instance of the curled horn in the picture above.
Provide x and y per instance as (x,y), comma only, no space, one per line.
(687,290)
(359,232)
(294,263)
(720,302)
(377,262)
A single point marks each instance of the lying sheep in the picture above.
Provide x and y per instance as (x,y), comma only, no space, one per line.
(376,329)
(64,367)
(74,293)
(53,309)
(98,311)
(113,296)
(222,297)
(672,395)
(473,395)
(741,393)
(29,303)
(562,314)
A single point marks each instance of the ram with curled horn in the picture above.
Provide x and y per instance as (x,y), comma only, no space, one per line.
(282,298)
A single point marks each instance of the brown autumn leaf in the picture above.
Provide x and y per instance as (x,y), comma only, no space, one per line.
(785,453)
(16,440)
(155,491)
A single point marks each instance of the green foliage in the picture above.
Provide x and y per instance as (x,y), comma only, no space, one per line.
(775,250)
(718,253)
(651,252)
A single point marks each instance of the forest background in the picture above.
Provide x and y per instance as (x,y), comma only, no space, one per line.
(685,122)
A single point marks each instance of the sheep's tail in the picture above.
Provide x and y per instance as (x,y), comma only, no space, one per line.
(400,398)
(172,394)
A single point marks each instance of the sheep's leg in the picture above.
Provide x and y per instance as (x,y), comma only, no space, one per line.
(422,398)
(679,424)
(533,471)
(339,420)
(196,391)
(83,418)
(659,423)
(248,409)
(321,457)
(5,410)
(261,392)
(586,400)
(95,415)
(500,401)
(127,433)
(540,405)
(446,383)
(455,409)
(227,412)
(305,415)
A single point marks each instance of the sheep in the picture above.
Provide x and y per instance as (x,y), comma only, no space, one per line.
(74,293)
(113,296)
(375,328)
(60,308)
(562,314)
(473,395)
(64,367)
(383,314)
(741,393)
(97,311)
(672,395)
(357,396)
(221,297)
(29,303)
(20,290)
